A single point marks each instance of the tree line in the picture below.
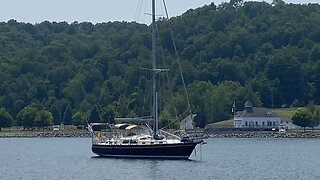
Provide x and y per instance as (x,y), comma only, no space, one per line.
(56,72)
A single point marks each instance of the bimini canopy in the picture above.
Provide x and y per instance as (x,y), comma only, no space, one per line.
(131,127)
(122,126)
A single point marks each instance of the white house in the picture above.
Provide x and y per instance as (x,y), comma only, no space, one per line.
(287,122)
(256,117)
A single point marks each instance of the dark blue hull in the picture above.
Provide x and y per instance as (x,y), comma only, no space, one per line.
(156,151)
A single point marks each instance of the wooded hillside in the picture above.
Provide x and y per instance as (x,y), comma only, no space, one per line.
(266,53)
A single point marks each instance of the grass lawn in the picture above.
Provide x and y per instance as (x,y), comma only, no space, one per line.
(226,123)
(284,112)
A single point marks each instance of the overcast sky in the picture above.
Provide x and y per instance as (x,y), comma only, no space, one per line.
(36,11)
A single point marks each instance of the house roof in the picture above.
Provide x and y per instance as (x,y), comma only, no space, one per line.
(248,104)
(258,112)
(285,119)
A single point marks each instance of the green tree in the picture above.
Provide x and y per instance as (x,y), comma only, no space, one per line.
(56,115)
(5,118)
(167,121)
(315,110)
(43,118)
(75,90)
(302,117)
(285,71)
(27,116)
(278,2)
(316,120)
(211,103)
(110,112)
(94,115)
(80,118)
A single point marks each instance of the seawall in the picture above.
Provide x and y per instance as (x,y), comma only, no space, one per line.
(255,134)
(263,135)
(45,134)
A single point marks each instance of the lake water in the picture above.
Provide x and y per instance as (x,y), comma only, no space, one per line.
(71,158)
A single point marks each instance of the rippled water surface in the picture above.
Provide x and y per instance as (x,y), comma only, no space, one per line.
(71,158)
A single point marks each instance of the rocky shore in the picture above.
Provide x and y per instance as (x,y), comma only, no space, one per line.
(263,135)
(45,134)
(66,134)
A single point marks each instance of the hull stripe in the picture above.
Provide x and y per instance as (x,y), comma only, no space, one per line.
(142,146)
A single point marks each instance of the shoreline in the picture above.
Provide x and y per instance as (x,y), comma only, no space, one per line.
(248,134)
(263,135)
(45,134)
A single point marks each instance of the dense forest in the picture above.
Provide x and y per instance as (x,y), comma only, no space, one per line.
(55,72)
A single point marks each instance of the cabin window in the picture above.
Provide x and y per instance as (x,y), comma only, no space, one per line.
(256,123)
(133,142)
(263,123)
(125,141)
(246,123)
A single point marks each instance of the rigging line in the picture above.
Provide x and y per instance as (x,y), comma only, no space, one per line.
(179,63)
(166,98)
(145,95)
(145,10)
(159,90)
(141,11)
(171,94)
(138,10)
(165,127)
(169,82)
(169,86)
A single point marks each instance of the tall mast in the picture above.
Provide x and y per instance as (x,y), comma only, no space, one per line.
(154,68)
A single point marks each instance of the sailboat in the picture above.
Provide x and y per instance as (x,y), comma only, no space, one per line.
(132,139)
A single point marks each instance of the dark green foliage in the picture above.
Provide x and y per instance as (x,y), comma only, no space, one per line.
(27,116)
(56,115)
(266,53)
(109,113)
(34,116)
(67,116)
(80,118)
(94,115)
(5,118)
(43,119)
(303,118)
(315,111)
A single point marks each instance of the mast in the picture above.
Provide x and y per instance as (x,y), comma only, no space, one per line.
(154,67)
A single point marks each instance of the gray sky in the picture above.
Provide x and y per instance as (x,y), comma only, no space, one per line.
(36,11)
